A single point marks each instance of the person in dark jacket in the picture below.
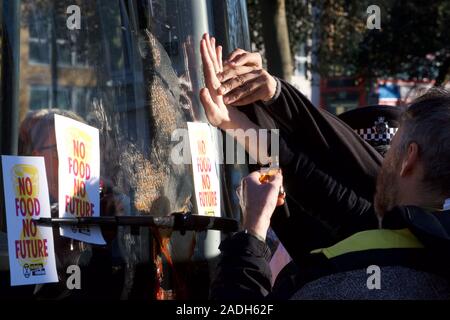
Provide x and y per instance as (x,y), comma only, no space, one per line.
(321,156)
(406,258)
(376,125)
(350,210)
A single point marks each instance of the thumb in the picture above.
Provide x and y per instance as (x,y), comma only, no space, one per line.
(276,180)
(206,100)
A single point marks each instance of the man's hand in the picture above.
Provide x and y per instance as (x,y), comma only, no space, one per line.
(258,201)
(217,112)
(244,81)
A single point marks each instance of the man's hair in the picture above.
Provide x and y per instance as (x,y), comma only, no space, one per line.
(427,123)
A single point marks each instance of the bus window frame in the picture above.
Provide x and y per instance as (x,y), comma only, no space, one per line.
(9,85)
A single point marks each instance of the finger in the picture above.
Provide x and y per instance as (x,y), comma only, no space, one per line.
(211,80)
(207,40)
(250,59)
(249,99)
(207,101)
(237,82)
(207,64)
(210,107)
(235,53)
(254,87)
(280,201)
(229,73)
(213,49)
(276,180)
(273,185)
(212,52)
(229,64)
(254,177)
(219,57)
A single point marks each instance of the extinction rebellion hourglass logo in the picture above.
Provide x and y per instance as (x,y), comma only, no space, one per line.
(31,249)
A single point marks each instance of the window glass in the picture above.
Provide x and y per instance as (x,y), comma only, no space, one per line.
(133,71)
(39,97)
(38,39)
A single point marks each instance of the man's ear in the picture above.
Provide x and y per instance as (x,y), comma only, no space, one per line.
(411,159)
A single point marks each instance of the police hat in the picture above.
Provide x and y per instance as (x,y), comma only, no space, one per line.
(376,124)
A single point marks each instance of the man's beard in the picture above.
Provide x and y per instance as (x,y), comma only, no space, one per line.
(386,195)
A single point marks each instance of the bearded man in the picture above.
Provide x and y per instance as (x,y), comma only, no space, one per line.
(405,258)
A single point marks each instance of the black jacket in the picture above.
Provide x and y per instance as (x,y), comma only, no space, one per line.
(329,173)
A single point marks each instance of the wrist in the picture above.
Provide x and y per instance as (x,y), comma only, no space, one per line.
(272,89)
(276,93)
(257,228)
(254,234)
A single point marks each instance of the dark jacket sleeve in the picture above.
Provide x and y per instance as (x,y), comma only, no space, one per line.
(329,172)
(322,209)
(243,271)
(320,193)
(327,141)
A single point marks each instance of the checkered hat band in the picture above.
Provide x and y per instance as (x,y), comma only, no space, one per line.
(370,134)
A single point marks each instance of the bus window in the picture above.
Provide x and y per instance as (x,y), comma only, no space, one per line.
(130,68)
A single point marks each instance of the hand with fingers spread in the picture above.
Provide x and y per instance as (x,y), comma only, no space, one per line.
(216,111)
(258,201)
(244,81)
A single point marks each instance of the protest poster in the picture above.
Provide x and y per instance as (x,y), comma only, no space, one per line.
(79,176)
(30,247)
(204,161)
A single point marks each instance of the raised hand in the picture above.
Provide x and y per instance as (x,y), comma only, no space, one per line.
(216,111)
(244,81)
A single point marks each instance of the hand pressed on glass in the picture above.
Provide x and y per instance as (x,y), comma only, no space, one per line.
(215,109)
(218,114)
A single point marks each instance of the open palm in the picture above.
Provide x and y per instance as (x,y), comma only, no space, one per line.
(216,111)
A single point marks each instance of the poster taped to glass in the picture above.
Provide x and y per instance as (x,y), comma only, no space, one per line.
(206,179)
(79,175)
(31,247)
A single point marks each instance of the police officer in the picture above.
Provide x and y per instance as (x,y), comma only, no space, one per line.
(376,124)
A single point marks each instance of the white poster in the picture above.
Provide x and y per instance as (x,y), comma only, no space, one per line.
(204,161)
(79,176)
(31,248)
